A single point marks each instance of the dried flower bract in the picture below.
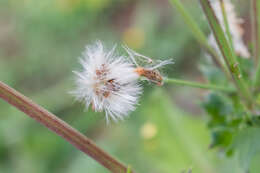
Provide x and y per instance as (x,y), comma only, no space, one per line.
(150,70)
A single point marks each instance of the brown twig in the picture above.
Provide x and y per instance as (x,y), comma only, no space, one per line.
(61,128)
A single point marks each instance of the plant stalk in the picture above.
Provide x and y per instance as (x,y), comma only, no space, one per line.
(255,5)
(227,52)
(200,36)
(257,78)
(254,26)
(61,128)
(227,29)
(198,85)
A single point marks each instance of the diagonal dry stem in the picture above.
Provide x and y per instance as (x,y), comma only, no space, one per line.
(61,128)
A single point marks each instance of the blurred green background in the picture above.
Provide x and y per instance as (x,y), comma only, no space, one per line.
(40,42)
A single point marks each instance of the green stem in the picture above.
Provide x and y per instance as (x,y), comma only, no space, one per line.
(198,85)
(61,128)
(255,5)
(199,35)
(227,29)
(254,26)
(257,78)
(227,52)
(128,169)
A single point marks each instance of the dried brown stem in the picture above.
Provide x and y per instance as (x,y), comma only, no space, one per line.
(61,128)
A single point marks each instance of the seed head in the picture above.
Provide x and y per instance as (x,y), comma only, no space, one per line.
(107,82)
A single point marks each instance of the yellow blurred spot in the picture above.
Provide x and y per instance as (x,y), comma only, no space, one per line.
(134,37)
(148,130)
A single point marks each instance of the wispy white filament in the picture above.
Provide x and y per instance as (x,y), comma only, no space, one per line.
(234,23)
(150,64)
(107,82)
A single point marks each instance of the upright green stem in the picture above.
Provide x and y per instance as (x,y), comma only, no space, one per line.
(199,35)
(198,85)
(254,26)
(227,29)
(257,77)
(61,128)
(255,5)
(227,52)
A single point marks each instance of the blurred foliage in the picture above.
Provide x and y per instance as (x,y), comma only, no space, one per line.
(40,42)
(248,146)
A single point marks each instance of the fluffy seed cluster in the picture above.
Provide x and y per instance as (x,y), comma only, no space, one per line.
(110,83)
(234,23)
(107,83)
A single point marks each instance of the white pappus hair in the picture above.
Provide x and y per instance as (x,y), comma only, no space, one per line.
(107,82)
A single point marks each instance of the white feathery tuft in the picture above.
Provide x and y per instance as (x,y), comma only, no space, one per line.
(150,64)
(107,82)
(150,71)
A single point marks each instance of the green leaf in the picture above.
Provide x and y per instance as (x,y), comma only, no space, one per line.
(256,121)
(221,137)
(225,120)
(218,108)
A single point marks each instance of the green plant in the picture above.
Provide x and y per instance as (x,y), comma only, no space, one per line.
(232,114)
(232,103)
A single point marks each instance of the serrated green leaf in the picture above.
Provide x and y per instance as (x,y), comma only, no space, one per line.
(222,137)
(217,107)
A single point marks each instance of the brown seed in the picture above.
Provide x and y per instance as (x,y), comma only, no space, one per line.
(153,75)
